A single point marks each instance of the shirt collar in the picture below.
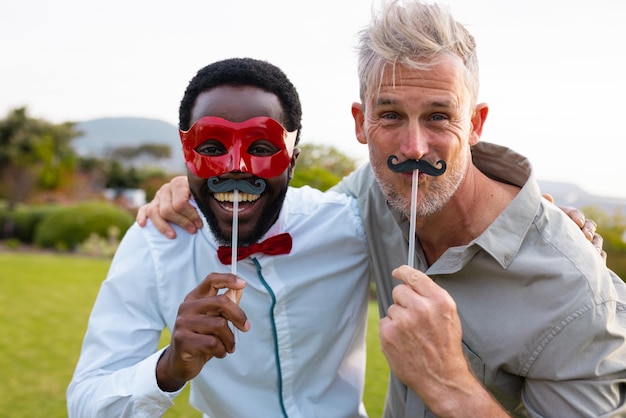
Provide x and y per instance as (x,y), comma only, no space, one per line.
(504,237)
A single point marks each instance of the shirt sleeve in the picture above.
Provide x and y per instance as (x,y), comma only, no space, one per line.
(116,371)
(582,370)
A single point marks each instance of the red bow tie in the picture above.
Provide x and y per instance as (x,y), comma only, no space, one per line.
(278,244)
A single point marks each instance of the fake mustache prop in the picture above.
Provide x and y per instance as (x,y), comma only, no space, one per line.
(414,166)
(228,185)
(421,165)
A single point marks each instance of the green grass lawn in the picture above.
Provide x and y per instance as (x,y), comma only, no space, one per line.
(45,301)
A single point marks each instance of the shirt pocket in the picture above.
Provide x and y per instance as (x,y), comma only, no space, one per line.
(476,363)
(506,388)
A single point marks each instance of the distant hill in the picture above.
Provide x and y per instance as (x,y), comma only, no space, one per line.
(568,194)
(101,136)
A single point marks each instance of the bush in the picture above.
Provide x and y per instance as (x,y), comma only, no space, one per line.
(21,222)
(616,261)
(27,218)
(67,227)
(96,246)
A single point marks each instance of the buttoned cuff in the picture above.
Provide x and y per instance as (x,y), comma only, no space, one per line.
(151,401)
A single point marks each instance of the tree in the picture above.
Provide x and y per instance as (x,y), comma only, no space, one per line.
(144,151)
(34,154)
(122,178)
(91,177)
(321,166)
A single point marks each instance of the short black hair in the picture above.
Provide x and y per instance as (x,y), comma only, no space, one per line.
(244,72)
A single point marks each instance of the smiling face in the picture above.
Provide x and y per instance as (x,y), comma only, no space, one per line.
(420,114)
(256,213)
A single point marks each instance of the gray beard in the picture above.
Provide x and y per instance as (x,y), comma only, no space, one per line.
(439,194)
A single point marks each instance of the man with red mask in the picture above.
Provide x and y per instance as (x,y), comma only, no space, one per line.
(301,300)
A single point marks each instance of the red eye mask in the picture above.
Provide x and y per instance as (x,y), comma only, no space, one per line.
(230,146)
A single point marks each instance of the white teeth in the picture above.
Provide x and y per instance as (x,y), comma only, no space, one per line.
(230,197)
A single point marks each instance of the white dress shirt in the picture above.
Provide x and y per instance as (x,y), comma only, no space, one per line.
(304,355)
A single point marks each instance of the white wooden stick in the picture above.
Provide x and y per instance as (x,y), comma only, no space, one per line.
(233,243)
(413,216)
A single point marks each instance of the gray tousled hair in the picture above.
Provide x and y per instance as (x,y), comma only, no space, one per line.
(412,34)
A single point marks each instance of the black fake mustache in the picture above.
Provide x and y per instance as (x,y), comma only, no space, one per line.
(228,185)
(421,165)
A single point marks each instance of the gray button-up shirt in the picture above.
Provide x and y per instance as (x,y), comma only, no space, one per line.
(544,320)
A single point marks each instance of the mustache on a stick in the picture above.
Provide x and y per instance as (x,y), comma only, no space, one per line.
(421,165)
(228,185)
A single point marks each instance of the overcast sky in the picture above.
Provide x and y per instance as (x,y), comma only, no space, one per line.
(552,71)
